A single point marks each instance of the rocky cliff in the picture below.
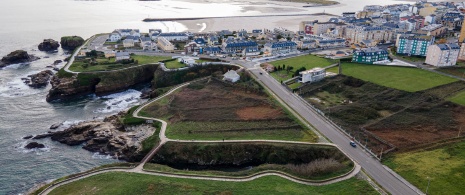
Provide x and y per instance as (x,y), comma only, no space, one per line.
(100,83)
(40,79)
(18,56)
(71,42)
(107,137)
(49,45)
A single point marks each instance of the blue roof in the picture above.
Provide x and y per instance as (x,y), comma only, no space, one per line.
(370,51)
(257,31)
(242,44)
(281,44)
(332,41)
(172,34)
(199,41)
(212,49)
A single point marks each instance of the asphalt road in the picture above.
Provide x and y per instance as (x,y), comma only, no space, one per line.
(372,166)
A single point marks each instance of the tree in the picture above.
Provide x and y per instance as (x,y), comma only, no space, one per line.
(289,68)
(279,37)
(296,73)
(284,66)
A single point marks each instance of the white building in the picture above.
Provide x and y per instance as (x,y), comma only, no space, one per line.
(122,56)
(174,36)
(313,75)
(164,44)
(232,76)
(128,43)
(441,55)
(114,37)
(187,61)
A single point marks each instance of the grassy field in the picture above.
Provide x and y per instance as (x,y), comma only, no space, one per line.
(174,64)
(215,111)
(444,167)
(307,61)
(454,70)
(458,98)
(403,78)
(133,183)
(109,64)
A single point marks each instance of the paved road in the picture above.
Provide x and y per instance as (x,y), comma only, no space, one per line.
(372,166)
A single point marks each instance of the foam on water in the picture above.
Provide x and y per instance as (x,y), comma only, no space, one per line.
(101,156)
(17,88)
(20,147)
(120,101)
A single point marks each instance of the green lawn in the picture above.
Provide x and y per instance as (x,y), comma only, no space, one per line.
(445,167)
(454,70)
(307,61)
(134,183)
(402,78)
(79,66)
(174,64)
(412,58)
(458,98)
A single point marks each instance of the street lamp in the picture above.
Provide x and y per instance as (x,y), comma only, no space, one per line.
(429,180)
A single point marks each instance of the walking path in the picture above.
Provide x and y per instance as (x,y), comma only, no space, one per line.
(164,139)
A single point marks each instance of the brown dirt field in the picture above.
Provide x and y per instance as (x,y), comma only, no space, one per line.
(258,112)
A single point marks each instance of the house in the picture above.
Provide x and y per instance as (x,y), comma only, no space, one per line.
(212,50)
(213,40)
(237,46)
(433,30)
(232,76)
(192,47)
(250,52)
(283,47)
(174,36)
(114,37)
(442,55)
(128,32)
(370,55)
(110,54)
(368,43)
(128,42)
(200,42)
(356,34)
(122,56)
(187,61)
(164,44)
(330,43)
(313,75)
(306,44)
(257,32)
(409,44)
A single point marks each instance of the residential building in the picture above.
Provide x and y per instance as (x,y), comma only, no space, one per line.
(213,40)
(256,32)
(122,56)
(313,75)
(409,44)
(426,11)
(356,34)
(110,54)
(232,76)
(330,43)
(306,44)
(237,46)
(462,52)
(282,47)
(128,42)
(462,34)
(187,61)
(250,52)
(212,50)
(114,37)
(370,55)
(164,44)
(433,30)
(441,55)
(430,19)
(174,36)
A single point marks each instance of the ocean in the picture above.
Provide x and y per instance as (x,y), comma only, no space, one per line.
(24,111)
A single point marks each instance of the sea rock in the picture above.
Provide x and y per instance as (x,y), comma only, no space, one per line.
(71,42)
(107,137)
(28,137)
(56,125)
(18,56)
(40,79)
(33,145)
(49,45)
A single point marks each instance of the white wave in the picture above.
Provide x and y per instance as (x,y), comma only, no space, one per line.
(17,88)
(38,151)
(120,101)
(67,124)
(101,156)
(204,26)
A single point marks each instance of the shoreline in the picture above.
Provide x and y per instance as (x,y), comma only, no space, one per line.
(228,17)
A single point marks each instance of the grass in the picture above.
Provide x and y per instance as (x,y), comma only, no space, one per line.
(402,78)
(327,99)
(149,143)
(445,167)
(307,61)
(458,98)
(134,183)
(109,64)
(174,64)
(128,119)
(149,59)
(412,58)
(454,70)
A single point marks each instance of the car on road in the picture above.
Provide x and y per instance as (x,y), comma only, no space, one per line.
(261,73)
(353,144)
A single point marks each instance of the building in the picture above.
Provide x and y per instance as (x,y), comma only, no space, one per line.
(250,52)
(232,76)
(187,61)
(331,43)
(110,54)
(426,11)
(282,47)
(413,44)
(313,75)
(122,56)
(128,42)
(433,30)
(114,37)
(237,46)
(462,34)
(356,34)
(370,55)
(164,44)
(441,55)
(306,44)
(174,36)
(212,50)
(462,52)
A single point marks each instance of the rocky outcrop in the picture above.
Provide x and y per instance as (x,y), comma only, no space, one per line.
(33,145)
(101,83)
(71,42)
(28,137)
(40,79)
(18,56)
(107,137)
(56,62)
(49,45)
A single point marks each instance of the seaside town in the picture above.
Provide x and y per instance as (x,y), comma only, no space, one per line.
(368,102)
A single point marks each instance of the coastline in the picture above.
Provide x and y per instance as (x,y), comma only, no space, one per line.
(221,17)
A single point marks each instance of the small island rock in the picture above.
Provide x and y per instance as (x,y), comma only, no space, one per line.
(40,79)
(18,56)
(71,42)
(33,145)
(49,45)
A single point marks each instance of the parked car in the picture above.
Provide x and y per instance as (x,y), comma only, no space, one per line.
(353,144)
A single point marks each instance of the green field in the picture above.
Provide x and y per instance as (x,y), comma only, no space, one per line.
(445,168)
(458,98)
(454,70)
(134,183)
(174,64)
(402,78)
(307,61)
(105,64)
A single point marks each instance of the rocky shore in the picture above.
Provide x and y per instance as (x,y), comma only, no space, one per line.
(107,137)
(38,80)
(71,42)
(15,57)
(48,45)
